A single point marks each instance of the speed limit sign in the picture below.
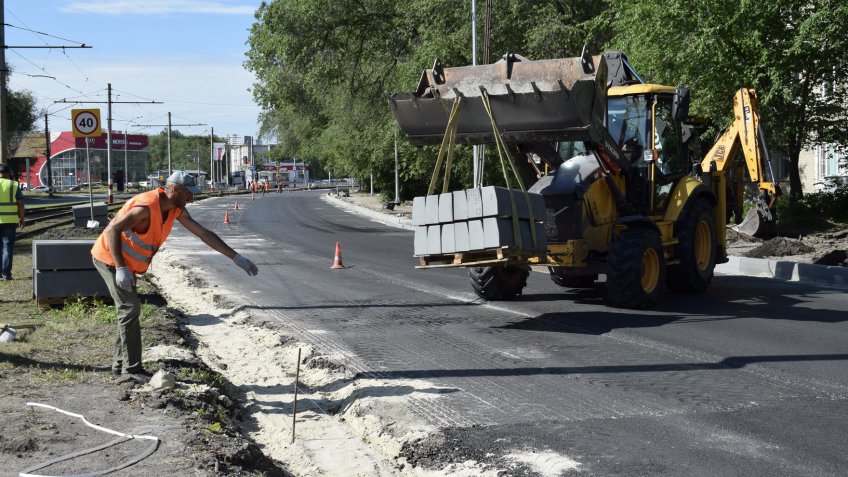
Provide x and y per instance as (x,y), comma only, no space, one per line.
(85,122)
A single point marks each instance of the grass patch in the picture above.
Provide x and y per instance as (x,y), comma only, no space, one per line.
(200,375)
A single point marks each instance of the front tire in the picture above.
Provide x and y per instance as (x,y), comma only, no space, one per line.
(635,269)
(499,282)
(570,281)
(696,251)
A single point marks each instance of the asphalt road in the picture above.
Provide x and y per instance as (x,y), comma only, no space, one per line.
(748,378)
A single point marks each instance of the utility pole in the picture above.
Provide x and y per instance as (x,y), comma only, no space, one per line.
(397,183)
(211,154)
(4,144)
(47,156)
(109,139)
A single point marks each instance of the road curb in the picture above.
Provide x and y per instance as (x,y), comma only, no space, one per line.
(806,273)
(383,218)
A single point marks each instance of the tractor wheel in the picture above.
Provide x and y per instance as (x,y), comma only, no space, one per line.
(498,283)
(569,281)
(696,250)
(635,269)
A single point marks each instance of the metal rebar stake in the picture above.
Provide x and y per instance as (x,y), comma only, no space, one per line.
(294,405)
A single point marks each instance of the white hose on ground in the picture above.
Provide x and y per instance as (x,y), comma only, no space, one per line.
(122,437)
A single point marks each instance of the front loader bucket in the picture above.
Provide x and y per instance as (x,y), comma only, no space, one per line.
(532,101)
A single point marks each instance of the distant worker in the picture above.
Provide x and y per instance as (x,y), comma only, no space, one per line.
(126,248)
(11,217)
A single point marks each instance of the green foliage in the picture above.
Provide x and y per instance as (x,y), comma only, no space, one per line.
(83,311)
(187,152)
(21,115)
(815,211)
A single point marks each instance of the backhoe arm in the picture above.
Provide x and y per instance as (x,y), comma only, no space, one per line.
(746,134)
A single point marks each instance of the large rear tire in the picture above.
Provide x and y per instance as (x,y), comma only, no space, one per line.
(635,269)
(569,281)
(696,250)
(498,283)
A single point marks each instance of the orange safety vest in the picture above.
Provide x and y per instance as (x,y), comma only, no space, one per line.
(138,249)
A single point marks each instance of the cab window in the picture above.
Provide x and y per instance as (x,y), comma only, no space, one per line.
(667,140)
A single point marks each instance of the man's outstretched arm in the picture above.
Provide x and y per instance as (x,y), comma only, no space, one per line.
(214,242)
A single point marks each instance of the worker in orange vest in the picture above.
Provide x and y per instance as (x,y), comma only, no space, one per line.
(127,246)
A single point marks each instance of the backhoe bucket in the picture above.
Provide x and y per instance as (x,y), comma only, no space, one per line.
(760,221)
(531,101)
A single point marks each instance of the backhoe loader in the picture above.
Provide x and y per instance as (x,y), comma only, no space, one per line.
(626,193)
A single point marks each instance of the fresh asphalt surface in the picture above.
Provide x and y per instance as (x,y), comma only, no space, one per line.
(748,378)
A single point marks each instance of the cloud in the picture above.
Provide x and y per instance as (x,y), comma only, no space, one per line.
(150,7)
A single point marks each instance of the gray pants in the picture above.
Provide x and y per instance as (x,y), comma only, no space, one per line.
(127,355)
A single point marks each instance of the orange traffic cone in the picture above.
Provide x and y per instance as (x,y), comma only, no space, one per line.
(227,217)
(337,262)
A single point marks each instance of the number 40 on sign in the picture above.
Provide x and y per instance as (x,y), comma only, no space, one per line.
(85,122)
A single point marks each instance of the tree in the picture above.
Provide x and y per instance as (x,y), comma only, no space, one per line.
(791,51)
(323,69)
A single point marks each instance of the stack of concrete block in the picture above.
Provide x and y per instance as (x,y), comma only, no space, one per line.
(476,219)
(63,269)
(83,213)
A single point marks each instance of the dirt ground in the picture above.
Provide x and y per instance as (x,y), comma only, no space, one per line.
(64,362)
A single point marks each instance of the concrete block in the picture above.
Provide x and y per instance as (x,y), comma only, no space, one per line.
(498,233)
(420,240)
(434,239)
(474,202)
(68,283)
(83,212)
(419,211)
(496,203)
(460,206)
(431,206)
(448,239)
(446,208)
(476,239)
(62,254)
(461,239)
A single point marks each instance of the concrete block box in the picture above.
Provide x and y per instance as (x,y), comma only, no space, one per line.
(476,239)
(474,202)
(419,211)
(83,213)
(420,247)
(496,203)
(446,208)
(460,237)
(460,205)
(434,239)
(448,239)
(62,254)
(499,232)
(68,283)
(431,206)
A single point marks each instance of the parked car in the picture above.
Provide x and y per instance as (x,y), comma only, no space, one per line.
(40,188)
(144,184)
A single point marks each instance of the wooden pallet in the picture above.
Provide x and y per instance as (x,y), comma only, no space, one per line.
(476,258)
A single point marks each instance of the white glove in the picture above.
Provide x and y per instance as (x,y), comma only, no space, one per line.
(124,278)
(245,264)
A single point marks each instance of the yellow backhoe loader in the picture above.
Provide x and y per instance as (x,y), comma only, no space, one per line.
(625,189)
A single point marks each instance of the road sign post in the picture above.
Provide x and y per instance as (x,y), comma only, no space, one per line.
(85,123)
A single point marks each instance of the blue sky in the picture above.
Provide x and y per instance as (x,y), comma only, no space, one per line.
(187,54)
